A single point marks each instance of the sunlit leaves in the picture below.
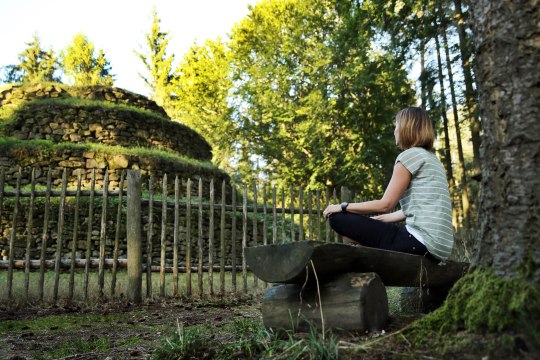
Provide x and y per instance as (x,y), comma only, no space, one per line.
(318,101)
(200,90)
(83,66)
(157,62)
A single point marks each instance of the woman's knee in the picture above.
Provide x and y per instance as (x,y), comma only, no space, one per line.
(337,221)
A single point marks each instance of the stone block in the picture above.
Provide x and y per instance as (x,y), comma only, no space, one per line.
(118,162)
(95,127)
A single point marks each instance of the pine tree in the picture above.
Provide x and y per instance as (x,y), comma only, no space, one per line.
(35,65)
(38,64)
(83,67)
(201,86)
(156,62)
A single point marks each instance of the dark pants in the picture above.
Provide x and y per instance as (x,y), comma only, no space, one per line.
(376,234)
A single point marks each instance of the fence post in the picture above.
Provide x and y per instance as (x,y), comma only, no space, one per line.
(133,232)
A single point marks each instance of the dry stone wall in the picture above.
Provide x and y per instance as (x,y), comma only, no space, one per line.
(86,123)
(15,95)
(83,162)
(107,126)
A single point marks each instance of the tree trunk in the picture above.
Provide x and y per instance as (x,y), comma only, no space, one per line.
(470,93)
(447,155)
(350,301)
(464,192)
(507,41)
(423,90)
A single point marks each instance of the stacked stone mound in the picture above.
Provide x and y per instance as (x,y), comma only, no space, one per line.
(15,95)
(101,115)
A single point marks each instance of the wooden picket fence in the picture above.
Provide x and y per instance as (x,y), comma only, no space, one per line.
(300,220)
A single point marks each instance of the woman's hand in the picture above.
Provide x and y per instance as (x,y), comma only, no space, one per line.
(396,216)
(330,210)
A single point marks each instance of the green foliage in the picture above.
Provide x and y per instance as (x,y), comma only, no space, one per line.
(83,66)
(36,64)
(11,74)
(201,86)
(317,101)
(157,62)
(484,302)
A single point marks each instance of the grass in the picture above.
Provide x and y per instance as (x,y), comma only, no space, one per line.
(249,338)
(245,338)
(76,346)
(51,323)
(62,327)
(242,337)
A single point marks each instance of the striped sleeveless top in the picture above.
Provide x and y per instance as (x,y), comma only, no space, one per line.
(426,202)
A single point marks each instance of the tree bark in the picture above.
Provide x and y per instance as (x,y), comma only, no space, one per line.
(507,41)
(292,262)
(350,301)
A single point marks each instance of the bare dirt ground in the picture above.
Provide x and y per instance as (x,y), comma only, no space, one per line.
(119,330)
(110,331)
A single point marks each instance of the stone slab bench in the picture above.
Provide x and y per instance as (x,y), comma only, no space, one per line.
(346,281)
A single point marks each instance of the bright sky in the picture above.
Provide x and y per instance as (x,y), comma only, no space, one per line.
(116,26)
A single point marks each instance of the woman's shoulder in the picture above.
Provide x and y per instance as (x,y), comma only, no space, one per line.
(414,152)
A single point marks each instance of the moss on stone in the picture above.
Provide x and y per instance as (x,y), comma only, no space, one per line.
(484,303)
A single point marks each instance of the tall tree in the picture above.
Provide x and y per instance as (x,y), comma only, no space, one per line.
(465,44)
(83,66)
(501,294)
(157,63)
(317,101)
(37,64)
(508,70)
(462,186)
(200,90)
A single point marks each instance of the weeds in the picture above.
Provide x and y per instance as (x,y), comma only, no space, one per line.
(246,339)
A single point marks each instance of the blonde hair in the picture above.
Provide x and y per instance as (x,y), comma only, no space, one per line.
(414,129)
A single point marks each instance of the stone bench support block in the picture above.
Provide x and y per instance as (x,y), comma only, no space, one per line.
(350,301)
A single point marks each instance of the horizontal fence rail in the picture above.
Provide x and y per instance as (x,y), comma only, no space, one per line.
(76,243)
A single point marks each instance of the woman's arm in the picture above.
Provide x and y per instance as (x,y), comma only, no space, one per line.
(396,216)
(401,177)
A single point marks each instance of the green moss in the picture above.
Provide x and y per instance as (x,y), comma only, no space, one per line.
(529,267)
(483,303)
